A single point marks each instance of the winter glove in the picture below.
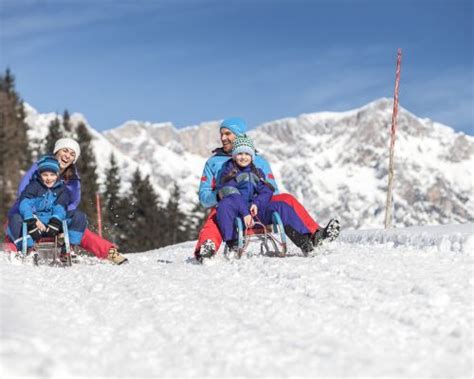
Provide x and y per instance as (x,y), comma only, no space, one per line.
(33,230)
(53,228)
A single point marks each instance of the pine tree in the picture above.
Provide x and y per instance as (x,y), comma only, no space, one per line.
(87,168)
(175,228)
(141,223)
(15,155)
(54,133)
(67,125)
(111,199)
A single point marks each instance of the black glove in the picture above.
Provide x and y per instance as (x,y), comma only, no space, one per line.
(33,230)
(53,228)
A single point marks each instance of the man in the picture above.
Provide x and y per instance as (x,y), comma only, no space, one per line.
(210,237)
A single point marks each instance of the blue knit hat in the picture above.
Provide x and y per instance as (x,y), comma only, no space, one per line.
(236,125)
(243,144)
(48,163)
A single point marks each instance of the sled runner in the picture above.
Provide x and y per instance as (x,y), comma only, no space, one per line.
(48,251)
(272,238)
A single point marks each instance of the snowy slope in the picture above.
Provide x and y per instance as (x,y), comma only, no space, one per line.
(372,304)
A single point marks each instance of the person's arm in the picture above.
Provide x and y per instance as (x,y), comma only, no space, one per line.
(59,209)
(228,187)
(25,180)
(27,201)
(264,194)
(264,166)
(55,226)
(207,187)
(74,194)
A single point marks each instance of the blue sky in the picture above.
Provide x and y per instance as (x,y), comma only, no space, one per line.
(189,61)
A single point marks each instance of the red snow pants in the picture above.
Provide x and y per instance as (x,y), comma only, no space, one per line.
(95,244)
(210,229)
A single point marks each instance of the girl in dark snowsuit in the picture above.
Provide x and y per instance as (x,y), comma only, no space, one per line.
(243,192)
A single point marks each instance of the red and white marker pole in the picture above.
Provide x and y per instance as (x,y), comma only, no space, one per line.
(99,213)
(388,209)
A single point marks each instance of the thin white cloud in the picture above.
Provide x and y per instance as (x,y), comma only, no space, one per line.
(41,21)
(46,20)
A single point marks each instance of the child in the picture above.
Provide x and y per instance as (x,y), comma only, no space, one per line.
(243,192)
(42,205)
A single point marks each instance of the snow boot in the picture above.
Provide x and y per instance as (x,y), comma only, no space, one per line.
(207,250)
(329,233)
(115,257)
(232,245)
(232,250)
(303,241)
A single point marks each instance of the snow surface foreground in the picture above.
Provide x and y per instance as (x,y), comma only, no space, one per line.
(372,304)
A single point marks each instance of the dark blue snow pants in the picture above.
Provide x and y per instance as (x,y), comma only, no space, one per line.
(227,212)
(76,222)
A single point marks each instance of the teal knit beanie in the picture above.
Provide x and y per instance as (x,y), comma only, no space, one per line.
(236,125)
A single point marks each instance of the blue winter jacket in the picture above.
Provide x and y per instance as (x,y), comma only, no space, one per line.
(212,173)
(73,185)
(246,186)
(42,202)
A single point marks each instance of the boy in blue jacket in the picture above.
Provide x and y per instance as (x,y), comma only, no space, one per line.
(42,205)
(244,192)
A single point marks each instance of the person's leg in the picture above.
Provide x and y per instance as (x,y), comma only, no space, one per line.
(302,213)
(80,235)
(77,224)
(296,231)
(15,231)
(209,232)
(226,214)
(95,244)
(8,245)
(288,216)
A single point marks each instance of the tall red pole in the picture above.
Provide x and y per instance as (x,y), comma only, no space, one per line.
(388,209)
(99,213)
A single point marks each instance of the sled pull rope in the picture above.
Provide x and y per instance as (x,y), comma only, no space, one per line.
(257,222)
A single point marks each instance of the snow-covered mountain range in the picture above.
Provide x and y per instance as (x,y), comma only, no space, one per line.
(335,163)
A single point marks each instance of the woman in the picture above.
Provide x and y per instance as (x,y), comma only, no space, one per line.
(67,151)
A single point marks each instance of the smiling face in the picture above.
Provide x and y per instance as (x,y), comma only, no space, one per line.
(243,159)
(48,178)
(65,157)
(227,137)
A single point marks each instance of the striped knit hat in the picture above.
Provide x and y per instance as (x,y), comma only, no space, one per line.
(243,144)
(48,163)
